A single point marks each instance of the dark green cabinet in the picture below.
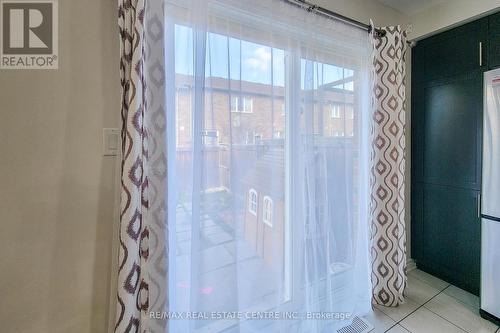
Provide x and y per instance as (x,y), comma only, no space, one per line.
(456,51)
(447,103)
(451,131)
(448,227)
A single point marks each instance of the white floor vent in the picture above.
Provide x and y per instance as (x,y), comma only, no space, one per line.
(359,325)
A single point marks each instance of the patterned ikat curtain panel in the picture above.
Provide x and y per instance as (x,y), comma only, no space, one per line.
(388,168)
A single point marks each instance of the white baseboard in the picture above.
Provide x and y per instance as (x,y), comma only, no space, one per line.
(410,265)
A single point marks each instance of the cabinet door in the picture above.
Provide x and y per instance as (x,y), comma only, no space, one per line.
(447,161)
(456,51)
(451,128)
(494,41)
(452,235)
(447,105)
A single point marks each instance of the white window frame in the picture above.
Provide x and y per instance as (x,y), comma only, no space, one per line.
(267,210)
(247,105)
(337,133)
(335,111)
(251,202)
(243,105)
(351,113)
(235,105)
(292,102)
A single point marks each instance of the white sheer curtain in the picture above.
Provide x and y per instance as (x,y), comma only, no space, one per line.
(267,109)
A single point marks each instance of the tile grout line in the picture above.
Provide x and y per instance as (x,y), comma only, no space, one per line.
(420,306)
(437,314)
(459,301)
(398,322)
(423,306)
(409,314)
(466,304)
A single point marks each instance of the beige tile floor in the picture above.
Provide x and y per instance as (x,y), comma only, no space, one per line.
(432,306)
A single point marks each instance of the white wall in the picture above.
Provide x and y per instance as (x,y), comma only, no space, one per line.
(364,10)
(56,190)
(447,14)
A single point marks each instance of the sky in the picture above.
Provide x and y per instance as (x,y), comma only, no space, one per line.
(249,61)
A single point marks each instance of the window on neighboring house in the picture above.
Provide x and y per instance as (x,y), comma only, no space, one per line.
(211,137)
(252,201)
(241,104)
(350,113)
(247,105)
(249,138)
(335,110)
(267,215)
(338,133)
(236,120)
(252,137)
(234,103)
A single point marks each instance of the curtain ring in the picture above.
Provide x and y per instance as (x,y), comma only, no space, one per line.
(381,33)
(311,8)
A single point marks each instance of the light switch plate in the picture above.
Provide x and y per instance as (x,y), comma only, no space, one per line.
(110,141)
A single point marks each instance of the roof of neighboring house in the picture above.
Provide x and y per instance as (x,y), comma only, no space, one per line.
(247,87)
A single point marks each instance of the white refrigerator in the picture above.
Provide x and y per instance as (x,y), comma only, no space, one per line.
(490,203)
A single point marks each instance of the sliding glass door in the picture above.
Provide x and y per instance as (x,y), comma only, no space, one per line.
(267,199)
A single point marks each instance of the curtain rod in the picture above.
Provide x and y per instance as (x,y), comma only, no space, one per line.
(310,7)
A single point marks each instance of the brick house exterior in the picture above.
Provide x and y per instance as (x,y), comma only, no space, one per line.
(255,141)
